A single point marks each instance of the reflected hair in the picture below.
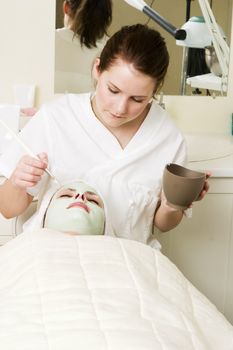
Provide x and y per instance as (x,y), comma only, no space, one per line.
(90,20)
(141,46)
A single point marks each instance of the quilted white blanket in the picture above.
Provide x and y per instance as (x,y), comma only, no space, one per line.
(97,292)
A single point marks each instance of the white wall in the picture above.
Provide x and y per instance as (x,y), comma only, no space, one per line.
(27,46)
(27,56)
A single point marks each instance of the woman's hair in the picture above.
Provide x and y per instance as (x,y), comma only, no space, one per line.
(140,45)
(90,19)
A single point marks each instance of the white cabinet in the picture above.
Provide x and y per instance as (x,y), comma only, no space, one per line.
(202,247)
(6,230)
(10,228)
(6,226)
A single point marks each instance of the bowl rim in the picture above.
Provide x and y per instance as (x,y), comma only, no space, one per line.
(193,174)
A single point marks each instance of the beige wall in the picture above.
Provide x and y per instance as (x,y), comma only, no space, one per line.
(27,47)
(27,56)
(59,14)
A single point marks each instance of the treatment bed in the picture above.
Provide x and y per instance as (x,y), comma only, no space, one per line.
(59,291)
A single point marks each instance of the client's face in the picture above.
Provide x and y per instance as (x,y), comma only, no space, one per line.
(76,208)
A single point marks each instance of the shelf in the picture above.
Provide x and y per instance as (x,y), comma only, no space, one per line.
(207,81)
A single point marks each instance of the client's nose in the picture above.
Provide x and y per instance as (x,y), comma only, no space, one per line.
(81,196)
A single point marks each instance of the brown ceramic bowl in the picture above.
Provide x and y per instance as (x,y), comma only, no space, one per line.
(182,186)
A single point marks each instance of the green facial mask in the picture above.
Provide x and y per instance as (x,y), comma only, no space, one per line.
(76,208)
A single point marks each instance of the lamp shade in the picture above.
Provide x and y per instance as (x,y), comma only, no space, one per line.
(197,33)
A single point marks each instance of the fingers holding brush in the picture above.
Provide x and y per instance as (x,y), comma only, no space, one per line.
(29,170)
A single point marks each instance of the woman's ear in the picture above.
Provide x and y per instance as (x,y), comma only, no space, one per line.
(66,8)
(66,11)
(95,69)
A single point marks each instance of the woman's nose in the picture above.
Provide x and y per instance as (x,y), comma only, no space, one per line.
(80,196)
(121,107)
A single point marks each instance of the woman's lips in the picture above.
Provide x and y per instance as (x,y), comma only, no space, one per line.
(79,205)
(115,116)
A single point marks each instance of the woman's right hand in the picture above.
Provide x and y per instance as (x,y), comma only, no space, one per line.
(29,171)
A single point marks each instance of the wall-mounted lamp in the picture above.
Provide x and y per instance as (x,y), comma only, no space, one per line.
(197,33)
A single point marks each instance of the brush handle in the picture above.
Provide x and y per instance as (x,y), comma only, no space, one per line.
(24,146)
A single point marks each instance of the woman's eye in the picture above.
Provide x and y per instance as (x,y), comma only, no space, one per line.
(137,100)
(65,195)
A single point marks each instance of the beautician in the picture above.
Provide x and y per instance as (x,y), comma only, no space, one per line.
(118,139)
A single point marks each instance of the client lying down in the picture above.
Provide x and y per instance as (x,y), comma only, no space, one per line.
(76,208)
(90,291)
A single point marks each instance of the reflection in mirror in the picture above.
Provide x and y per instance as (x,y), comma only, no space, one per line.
(185,64)
(77,43)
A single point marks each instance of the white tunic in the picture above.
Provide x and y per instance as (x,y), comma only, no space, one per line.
(80,147)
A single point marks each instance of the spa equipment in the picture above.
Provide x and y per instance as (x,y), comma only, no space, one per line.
(26,148)
(181,185)
(211,34)
(188,38)
(212,61)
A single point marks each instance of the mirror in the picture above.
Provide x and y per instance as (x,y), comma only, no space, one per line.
(175,83)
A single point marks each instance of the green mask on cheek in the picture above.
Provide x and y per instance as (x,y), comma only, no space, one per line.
(76,208)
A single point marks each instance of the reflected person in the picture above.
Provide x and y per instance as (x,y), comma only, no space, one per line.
(79,42)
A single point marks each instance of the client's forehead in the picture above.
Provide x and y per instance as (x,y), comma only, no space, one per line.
(79,186)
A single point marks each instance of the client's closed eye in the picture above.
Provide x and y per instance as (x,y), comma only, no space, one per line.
(94,198)
(66,193)
(93,201)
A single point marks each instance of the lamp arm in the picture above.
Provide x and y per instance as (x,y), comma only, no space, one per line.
(179,34)
(221,48)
